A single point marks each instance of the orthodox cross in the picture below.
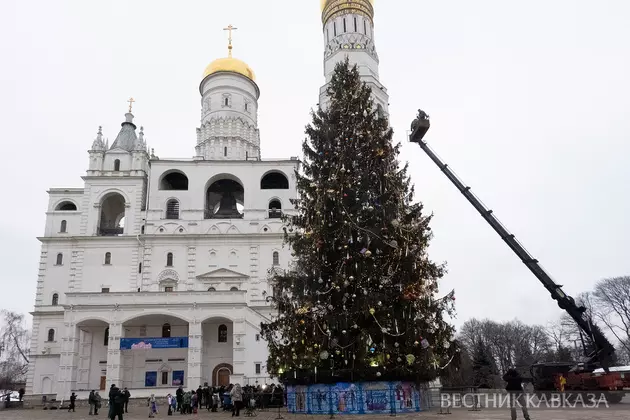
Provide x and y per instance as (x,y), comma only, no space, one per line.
(230,28)
(131,101)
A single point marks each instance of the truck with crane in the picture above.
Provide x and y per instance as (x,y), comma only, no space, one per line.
(594,375)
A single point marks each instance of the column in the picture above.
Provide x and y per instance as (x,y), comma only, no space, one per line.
(193,375)
(238,352)
(114,365)
(68,360)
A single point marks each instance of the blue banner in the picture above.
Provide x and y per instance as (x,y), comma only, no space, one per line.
(355,398)
(153,343)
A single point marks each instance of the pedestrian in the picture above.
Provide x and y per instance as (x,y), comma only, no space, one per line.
(179,398)
(514,388)
(169,401)
(92,402)
(206,396)
(187,400)
(116,403)
(152,406)
(127,396)
(563,382)
(73,398)
(237,399)
(97,402)
(215,401)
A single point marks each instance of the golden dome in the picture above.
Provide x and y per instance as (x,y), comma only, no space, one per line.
(232,65)
(323,3)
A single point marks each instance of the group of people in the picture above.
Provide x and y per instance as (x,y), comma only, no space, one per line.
(189,402)
(118,402)
(230,398)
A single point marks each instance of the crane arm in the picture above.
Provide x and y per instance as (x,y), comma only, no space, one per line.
(604,350)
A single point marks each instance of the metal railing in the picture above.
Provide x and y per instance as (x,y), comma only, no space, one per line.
(275,214)
(110,231)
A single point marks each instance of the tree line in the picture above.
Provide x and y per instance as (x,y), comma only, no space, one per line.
(489,348)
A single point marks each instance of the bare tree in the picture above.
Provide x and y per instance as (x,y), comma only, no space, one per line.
(14,349)
(509,343)
(612,297)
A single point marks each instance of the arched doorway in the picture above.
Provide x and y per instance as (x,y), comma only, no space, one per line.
(221,374)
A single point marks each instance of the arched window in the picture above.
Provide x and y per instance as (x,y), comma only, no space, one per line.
(106,337)
(55,300)
(225,148)
(64,225)
(166,330)
(274,181)
(108,258)
(59,259)
(117,165)
(51,335)
(212,289)
(66,206)
(275,209)
(172,209)
(233,289)
(222,334)
(276,258)
(174,181)
(169,259)
(227,101)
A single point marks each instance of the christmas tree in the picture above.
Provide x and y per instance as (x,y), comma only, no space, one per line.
(361,301)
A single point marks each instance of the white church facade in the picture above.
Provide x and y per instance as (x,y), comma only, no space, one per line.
(155,273)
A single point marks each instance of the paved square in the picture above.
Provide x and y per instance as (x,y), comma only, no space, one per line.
(618,412)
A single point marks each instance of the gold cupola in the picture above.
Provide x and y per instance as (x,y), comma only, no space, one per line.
(333,8)
(229,63)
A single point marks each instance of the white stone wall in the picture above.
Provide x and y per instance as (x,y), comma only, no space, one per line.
(201,174)
(207,253)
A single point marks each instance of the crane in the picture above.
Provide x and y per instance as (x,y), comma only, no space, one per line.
(602,356)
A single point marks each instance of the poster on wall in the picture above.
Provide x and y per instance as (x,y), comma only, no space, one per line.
(153,343)
(150,379)
(354,398)
(178,377)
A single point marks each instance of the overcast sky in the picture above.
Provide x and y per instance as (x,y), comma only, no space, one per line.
(529,102)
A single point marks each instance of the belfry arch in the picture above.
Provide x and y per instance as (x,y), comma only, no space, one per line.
(112,217)
(225,197)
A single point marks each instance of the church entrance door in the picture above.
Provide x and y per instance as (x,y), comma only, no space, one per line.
(221,374)
(223,377)
(103,383)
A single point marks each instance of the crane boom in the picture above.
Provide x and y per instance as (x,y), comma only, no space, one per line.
(604,350)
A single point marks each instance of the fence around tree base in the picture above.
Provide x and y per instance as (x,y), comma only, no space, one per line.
(359,398)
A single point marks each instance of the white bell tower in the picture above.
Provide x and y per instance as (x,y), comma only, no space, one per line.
(349,32)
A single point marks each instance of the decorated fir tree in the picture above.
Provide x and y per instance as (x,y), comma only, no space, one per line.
(361,301)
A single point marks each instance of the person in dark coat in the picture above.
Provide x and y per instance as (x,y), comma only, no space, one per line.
(127,396)
(199,396)
(73,399)
(116,403)
(92,402)
(179,397)
(206,396)
(514,388)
